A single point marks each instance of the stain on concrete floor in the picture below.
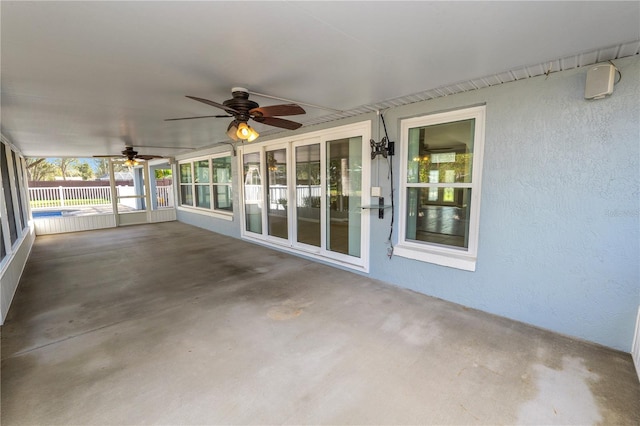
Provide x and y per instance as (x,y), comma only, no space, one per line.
(243,339)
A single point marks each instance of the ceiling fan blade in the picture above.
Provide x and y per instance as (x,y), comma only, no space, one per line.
(274,110)
(215,104)
(201,116)
(107,156)
(278,122)
(148,157)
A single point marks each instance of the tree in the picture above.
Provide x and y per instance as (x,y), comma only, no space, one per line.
(85,171)
(162,173)
(39,169)
(65,166)
(102,167)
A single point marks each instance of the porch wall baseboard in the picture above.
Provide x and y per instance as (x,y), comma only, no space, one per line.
(635,350)
(58,225)
(162,215)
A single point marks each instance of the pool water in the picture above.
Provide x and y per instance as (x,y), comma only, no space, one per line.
(51,213)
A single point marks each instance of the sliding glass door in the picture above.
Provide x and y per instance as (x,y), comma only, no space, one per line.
(344,195)
(277,193)
(308,194)
(311,190)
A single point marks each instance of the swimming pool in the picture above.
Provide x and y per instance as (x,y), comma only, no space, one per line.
(51,213)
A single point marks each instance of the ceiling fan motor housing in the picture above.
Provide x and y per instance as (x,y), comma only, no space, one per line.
(129,153)
(241,104)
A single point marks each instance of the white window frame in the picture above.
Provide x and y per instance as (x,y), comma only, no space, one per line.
(450,256)
(361,129)
(211,211)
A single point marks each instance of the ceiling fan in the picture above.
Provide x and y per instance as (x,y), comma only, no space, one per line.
(131,156)
(241,109)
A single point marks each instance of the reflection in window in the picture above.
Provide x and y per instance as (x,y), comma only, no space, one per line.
(203,195)
(3,251)
(277,198)
(308,194)
(8,199)
(223,199)
(16,175)
(206,184)
(252,192)
(186,191)
(438,155)
(344,195)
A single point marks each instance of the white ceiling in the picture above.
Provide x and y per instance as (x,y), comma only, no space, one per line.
(80,78)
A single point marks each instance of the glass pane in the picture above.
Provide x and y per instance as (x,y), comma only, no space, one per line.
(252,192)
(202,171)
(441,153)
(308,193)
(277,185)
(444,221)
(3,252)
(344,195)
(8,199)
(185,173)
(203,196)
(222,197)
(186,195)
(222,170)
(22,217)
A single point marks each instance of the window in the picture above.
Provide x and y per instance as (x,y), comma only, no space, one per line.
(205,184)
(186,188)
(306,194)
(202,181)
(3,251)
(222,199)
(16,175)
(441,160)
(8,199)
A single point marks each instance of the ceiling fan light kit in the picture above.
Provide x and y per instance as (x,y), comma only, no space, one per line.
(242,110)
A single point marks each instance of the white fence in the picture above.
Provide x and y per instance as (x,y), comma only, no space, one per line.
(89,196)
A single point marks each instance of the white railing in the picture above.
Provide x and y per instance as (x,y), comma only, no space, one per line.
(87,196)
(305,195)
(164,196)
(69,196)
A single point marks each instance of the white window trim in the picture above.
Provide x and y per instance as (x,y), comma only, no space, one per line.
(362,129)
(211,211)
(464,259)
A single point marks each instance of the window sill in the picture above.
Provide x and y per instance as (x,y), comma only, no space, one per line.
(462,261)
(213,213)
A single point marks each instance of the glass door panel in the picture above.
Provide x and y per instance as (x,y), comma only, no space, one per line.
(308,194)
(344,195)
(252,192)
(277,198)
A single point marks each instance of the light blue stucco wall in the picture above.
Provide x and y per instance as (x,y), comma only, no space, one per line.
(559,240)
(559,219)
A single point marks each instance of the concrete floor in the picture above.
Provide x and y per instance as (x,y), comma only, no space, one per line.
(168,324)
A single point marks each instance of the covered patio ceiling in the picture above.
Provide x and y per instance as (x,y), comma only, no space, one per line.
(86,78)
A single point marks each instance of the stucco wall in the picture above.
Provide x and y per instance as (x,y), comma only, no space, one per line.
(559,227)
